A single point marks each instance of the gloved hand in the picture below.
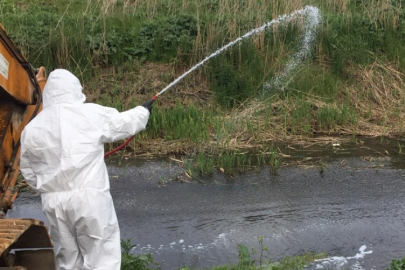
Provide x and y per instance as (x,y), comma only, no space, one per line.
(148,105)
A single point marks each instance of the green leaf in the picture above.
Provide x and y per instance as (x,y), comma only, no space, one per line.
(244,256)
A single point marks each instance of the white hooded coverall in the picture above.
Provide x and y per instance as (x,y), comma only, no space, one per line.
(62,156)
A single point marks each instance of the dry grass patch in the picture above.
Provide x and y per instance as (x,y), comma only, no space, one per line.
(378,97)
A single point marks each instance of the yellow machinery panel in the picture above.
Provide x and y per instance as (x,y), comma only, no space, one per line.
(24,243)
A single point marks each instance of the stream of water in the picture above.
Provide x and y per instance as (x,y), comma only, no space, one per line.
(313,18)
(352,208)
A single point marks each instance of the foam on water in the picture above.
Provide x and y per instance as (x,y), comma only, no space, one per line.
(313,17)
(338,262)
(221,240)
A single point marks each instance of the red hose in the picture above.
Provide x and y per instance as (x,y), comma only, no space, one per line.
(119,147)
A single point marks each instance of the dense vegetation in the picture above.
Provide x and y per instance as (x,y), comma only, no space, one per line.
(126,51)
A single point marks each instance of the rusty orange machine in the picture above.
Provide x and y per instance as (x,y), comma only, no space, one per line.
(24,243)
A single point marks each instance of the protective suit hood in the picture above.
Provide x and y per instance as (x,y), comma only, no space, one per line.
(62,87)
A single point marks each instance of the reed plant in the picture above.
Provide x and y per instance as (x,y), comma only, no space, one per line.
(189,123)
(232,162)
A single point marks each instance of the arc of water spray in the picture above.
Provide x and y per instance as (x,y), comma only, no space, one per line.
(310,12)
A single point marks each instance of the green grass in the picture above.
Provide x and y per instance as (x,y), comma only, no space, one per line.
(231,162)
(135,262)
(180,122)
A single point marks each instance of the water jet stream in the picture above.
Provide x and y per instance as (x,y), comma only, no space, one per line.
(310,12)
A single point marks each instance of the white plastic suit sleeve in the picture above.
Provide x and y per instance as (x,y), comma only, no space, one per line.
(118,126)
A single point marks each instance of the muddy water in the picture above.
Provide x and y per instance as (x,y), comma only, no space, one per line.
(351,206)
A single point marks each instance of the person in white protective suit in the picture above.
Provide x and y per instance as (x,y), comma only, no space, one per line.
(62,156)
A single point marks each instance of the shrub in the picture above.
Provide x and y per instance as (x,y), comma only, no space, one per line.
(139,262)
(236,75)
(397,264)
(161,39)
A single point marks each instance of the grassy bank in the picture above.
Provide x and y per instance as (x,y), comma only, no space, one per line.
(124,52)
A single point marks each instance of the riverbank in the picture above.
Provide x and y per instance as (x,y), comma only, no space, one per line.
(187,124)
